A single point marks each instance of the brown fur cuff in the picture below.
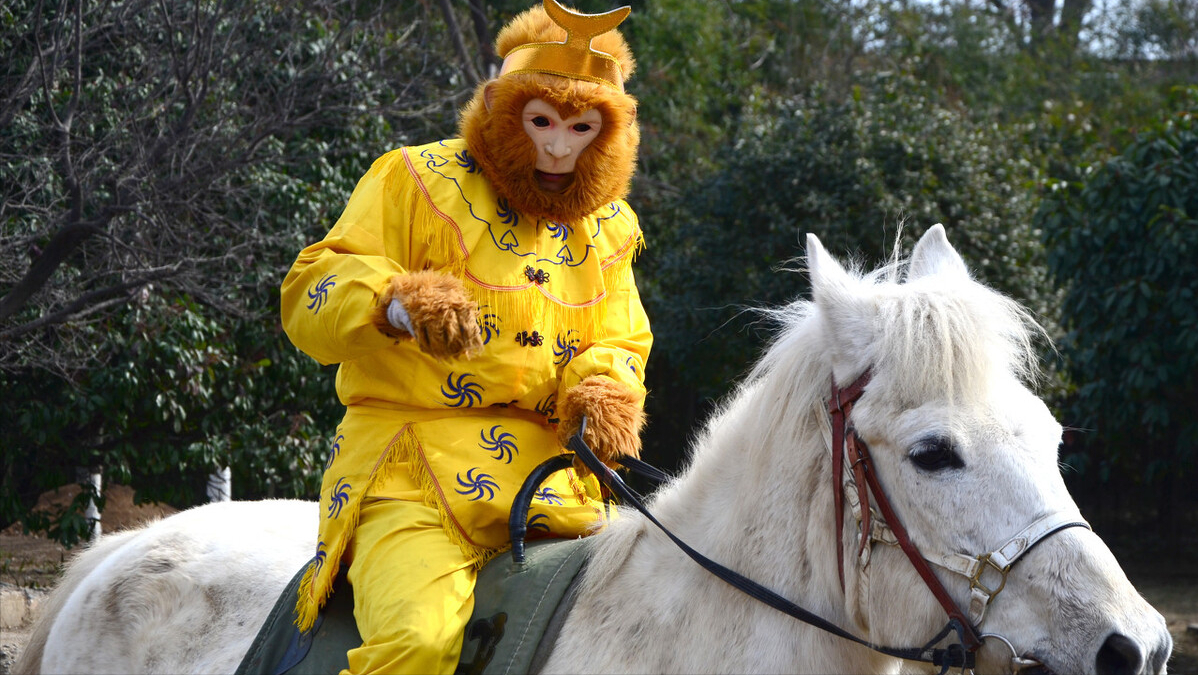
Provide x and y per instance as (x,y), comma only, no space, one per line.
(443,314)
(614,418)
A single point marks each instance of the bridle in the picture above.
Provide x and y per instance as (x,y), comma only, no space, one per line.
(860,480)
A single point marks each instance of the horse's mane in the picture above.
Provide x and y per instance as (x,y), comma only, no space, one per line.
(939,338)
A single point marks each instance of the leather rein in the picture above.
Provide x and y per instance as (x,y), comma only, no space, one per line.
(954,656)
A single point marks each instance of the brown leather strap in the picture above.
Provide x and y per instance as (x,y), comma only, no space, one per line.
(970,636)
(846,441)
(840,404)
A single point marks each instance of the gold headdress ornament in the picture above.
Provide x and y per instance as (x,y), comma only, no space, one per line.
(573,58)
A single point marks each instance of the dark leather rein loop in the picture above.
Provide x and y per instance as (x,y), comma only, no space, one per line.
(954,656)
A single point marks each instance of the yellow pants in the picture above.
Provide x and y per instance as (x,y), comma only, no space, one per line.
(413,587)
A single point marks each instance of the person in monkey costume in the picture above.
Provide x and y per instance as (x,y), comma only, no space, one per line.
(479,297)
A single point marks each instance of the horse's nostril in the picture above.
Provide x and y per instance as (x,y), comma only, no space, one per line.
(1118,655)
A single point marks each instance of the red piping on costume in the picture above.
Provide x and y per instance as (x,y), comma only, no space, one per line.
(437,486)
(412,170)
(387,452)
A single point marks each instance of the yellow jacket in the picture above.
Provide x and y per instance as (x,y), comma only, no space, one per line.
(557,303)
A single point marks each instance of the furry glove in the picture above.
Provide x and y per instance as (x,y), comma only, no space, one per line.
(614,419)
(442,316)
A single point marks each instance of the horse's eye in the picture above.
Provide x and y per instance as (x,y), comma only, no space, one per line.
(934,454)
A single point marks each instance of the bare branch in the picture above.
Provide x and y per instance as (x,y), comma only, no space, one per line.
(207,139)
(459,46)
(484,37)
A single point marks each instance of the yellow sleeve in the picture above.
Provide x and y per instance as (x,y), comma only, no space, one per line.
(330,293)
(623,351)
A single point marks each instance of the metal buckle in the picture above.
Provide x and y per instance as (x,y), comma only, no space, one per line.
(975,581)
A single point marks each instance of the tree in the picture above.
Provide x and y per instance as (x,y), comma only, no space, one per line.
(1123,242)
(853,170)
(138,137)
(160,166)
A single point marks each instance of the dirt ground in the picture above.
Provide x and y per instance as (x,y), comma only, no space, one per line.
(33,562)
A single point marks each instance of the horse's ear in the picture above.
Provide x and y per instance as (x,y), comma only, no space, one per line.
(934,255)
(845,310)
(826,274)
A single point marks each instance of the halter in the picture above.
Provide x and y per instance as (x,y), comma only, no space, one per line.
(861,476)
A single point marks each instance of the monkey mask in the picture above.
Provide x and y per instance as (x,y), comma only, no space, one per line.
(575,63)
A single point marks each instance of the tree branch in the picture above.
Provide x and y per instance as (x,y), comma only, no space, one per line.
(91,302)
(459,46)
(65,241)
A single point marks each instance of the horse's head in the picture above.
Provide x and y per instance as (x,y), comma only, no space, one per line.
(967,455)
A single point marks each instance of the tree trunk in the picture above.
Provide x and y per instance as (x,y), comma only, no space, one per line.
(1040,12)
(1072,13)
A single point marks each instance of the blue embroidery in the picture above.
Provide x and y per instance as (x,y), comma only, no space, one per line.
(320,292)
(321,554)
(547,406)
(508,242)
(548,495)
(507,215)
(339,498)
(462,393)
(435,162)
(615,211)
(559,230)
(566,348)
(505,239)
(336,450)
(539,523)
(488,324)
(564,256)
(501,443)
(631,363)
(467,161)
(477,487)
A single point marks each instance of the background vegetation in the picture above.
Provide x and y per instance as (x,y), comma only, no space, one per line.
(161,163)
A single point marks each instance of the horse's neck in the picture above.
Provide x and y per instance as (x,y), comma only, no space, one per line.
(750,501)
(758,499)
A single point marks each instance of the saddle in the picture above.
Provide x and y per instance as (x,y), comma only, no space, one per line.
(516,606)
(520,601)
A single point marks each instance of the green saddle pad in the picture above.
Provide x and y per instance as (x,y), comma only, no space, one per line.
(513,607)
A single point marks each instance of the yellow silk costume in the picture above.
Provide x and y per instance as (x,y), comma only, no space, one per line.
(557,302)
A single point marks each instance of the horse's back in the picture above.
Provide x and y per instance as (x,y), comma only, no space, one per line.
(517,606)
(183,595)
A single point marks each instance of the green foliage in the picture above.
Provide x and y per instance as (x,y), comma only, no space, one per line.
(177,394)
(852,170)
(705,64)
(199,167)
(1123,240)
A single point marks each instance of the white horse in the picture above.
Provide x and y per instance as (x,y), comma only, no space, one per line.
(966,453)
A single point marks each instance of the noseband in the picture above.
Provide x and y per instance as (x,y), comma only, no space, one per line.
(848,446)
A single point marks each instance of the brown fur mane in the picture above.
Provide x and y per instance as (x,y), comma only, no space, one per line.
(506,155)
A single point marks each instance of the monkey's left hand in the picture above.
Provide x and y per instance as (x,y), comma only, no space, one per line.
(614,419)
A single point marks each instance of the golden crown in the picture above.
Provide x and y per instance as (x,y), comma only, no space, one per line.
(573,58)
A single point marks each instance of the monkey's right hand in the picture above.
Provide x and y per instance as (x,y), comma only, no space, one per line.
(432,308)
